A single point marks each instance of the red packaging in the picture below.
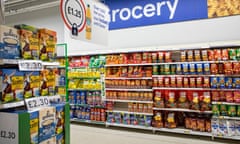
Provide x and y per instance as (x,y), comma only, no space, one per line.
(215,96)
(206,82)
(166,81)
(155,82)
(185,82)
(228,68)
(123,59)
(199,82)
(168,57)
(214,68)
(225,54)
(161,57)
(170,99)
(194,99)
(222,96)
(179,81)
(154,57)
(192,82)
(218,54)
(173,82)
(205,101)
(229,96)
(211,56)
(137,58)
(159,99)
(145,57)
(183,100)
(161,82)
(236,96)
(236,68)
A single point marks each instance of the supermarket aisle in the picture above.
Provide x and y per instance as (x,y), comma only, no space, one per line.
(99,135)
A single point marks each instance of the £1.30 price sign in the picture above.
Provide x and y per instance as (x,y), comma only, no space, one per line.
(74,15)
(37,102)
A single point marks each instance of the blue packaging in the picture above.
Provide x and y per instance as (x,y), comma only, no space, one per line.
(12,85)
(192,69)
(31,84)
(185,68)
(71,97)
(199,68)
(221,81)
(9,43)
(214,82)
(236,83)
(229,82)
(78,97)
(60,139)
(206,68)
(178,69)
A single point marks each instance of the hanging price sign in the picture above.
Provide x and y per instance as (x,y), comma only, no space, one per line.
(37,102)
(30,65)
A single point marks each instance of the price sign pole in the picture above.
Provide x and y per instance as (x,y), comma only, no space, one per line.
(74,15)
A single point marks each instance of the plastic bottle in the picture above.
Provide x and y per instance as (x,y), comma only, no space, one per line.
(88,23)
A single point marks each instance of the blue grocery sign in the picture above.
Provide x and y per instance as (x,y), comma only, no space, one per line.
(134,13)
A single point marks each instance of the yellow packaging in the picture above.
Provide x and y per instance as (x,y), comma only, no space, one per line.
(34,126)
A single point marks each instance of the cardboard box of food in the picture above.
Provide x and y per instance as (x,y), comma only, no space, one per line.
(31,84)
(34,126)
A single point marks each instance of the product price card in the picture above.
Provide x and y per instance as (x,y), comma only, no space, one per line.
(8,128)
(30,65)
(37,102)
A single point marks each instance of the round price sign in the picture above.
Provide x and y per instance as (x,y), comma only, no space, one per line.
(74,15)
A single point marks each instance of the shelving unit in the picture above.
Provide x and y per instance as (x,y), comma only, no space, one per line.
(183,110)
(127,101)
(124,89)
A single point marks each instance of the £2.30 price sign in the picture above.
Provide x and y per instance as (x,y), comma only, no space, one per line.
(37,102)
(74,15)
(7,134)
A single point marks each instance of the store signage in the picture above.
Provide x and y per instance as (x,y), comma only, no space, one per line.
(30,65)
(8,128)
(125,13)
(86,20)
(37,102)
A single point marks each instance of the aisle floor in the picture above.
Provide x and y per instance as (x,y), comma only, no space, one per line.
(86,134)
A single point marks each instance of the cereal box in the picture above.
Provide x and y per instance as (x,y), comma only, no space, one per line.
(31,84)
(51,140)
(29,41)
(34,127)
(12,85)
(48,82)
(46,123)
(60,139)
(59,118)
(48,40)
(9,43)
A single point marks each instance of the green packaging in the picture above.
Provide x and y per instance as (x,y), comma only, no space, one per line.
(223,110)
(155,70)
(232,110)
(232,54)
(215,109)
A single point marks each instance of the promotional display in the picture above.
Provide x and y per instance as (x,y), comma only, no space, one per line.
(127,14)
(86,20)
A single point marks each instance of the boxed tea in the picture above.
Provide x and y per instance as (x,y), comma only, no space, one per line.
(12,85)
(59,118)
(9,43)
(48,82)
(31,84)
(34,127)
(47,43)
(29,41)
(46,123)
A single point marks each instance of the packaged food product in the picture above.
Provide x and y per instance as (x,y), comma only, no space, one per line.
(195,101)
(237,126)
(137,58)
(137,71)
(211,56)
(183,56)
(155,82)
(208,125)
(229,96)
(238,110)
(215,126)
(179,81)
(231,130)
(160,81)
(130,71)
(167,82)
(204,54)
(218,54)
(205,102)
(167,69)
(223,110)
(124,72)
(170,120)
(183,100)
(222,95)
(221,81)
(236,96)
(185,82)
(190,55)
(123,59)
(185,68)
(201,124)
(199,68)
(178,69)
(194,123)
(192,82)
(159,99)
(232,54)
(232,110)
(154,57)
(188,123)
(223,127)
(206,68)
(199,81)
(206,82)
(236,68)
(172,81)
(145,57)
(215,109)
(161,57)
(224,54)
(170,99)
(214,68)
(168,57)
(214,82)
(158,119)
(220,68)
(192,69)
(173,69)
(237,53)
(228,82)
(215,96)
(228,69)
(236,83)
(197,55)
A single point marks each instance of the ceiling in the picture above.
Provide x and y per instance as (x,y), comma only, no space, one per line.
(13,7)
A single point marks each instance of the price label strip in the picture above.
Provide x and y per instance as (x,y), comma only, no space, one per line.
(30,65)
(37,102)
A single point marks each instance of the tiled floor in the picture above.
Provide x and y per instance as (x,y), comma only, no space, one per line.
(86,134)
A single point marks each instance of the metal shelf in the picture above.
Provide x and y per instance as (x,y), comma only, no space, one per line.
(225,103)
(127,112)
(128,78)
(195,75)
(182,110)
(183,131)
(228,137)
(83,90)
(129,126)
(119,89)
(119,65)
(12,105)
(189,88)
(226,117)
(84,77)
(87,105)
(87,121)
(126,101)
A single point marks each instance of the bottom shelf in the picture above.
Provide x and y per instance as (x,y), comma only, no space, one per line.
(228,137)
(87,121)
(129,126)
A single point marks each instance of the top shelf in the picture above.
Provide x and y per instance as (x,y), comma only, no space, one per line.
(164,63)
